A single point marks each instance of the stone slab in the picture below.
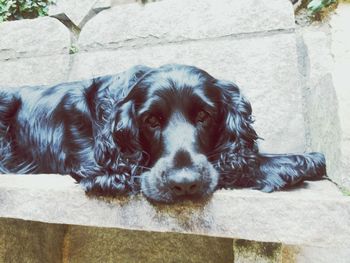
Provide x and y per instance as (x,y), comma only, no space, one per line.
(316,214)
(325,58)
(33,37)
(264,67)
(47,70)
(322,117)
(178,20)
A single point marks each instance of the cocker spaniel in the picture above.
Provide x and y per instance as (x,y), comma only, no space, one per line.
(173,133)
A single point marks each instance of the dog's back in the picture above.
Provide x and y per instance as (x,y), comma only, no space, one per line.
(49,129)
(32,123)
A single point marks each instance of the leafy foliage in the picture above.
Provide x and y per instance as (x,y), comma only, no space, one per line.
(316,6)
(19,9)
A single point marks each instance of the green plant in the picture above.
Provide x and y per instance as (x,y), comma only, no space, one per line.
(73,49)
(19,9)
(315,6)
(345,191)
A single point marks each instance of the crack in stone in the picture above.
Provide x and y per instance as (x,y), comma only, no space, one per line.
(152,40)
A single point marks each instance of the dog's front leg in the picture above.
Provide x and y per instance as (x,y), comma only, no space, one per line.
(284,170)
(98,180)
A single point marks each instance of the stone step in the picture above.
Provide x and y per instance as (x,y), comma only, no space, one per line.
(316,214)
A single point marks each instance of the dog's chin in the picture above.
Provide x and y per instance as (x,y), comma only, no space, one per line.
(154,187)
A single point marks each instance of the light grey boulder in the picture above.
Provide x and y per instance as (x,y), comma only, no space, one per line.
(33,38)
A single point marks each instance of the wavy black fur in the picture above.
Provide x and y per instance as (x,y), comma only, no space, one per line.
(91,130)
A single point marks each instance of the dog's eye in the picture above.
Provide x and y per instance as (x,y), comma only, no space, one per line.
(202,116)
(153,121)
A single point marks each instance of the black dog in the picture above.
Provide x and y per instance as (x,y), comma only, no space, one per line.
(173,132)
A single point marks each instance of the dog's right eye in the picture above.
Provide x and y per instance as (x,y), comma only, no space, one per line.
(153,121)
(202,116)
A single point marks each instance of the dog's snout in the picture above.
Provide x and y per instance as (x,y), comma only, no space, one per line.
(182,159)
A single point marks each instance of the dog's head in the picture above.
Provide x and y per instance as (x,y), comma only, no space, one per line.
(182,118)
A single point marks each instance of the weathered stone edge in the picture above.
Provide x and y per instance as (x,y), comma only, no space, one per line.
(301,217)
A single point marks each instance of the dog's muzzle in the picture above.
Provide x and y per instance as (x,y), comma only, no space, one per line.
(182,176)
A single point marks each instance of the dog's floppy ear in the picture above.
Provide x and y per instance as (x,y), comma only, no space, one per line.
(114,116)
(126,132)
(237,112)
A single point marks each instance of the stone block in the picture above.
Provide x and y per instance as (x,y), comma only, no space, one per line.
(340,48)
(264,67)
(33,37)
(325,60)
(321,112)
(96,244)
(315,214)
(47,70)
(32,242)
(178,20)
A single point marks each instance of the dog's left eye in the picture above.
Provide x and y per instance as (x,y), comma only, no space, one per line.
(153,121)
(202,116)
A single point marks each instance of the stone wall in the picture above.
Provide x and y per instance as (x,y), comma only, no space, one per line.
(284,71)
(294,78)
(256,49)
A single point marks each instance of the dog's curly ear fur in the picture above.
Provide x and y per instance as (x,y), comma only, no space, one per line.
(115,124)
(238,113)
(237,148)
(126,132)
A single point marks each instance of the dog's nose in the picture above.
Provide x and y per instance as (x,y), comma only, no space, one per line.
(182,159)
(184,186)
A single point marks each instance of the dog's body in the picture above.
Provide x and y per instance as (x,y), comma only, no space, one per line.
(175,132)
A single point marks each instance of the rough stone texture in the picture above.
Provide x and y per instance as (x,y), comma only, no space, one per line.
(27,241)
(33,37)
(101,5)
(307,254)
(316,215)
(325,60)
(77,11)
(264,67)
(30,242)
(121,2)
(91,244)
(34,71)
(321,101)
(178,20)
(246,41)
(341,53)
(262,252)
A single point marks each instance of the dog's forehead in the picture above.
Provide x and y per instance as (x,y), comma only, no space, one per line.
(171,88)
(177,78)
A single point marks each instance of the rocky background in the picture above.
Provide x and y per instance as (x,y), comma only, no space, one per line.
(293,76)
(296,78)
